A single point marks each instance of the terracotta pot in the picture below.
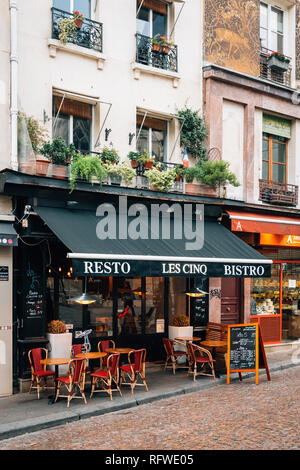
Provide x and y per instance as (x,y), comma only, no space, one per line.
(199,190)
(178,178)
(165,49)
(156,47)
(78,23)
(148,165)
(134,163)
(27,167)
(59,171)
(42,165)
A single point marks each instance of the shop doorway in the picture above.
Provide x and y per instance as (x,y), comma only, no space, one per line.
(231,300)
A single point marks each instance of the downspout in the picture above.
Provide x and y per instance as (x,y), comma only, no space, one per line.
(13,84)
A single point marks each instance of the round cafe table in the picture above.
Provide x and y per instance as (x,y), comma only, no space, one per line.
(56,362)
(119,350)
(213,343)
(189,339)
(91,355)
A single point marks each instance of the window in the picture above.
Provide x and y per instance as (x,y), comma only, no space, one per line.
(72,121)
(271,28)
(152,137)
(274,160)
(83,6)
(152,18)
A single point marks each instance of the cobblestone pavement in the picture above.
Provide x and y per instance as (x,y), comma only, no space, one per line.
(225,417)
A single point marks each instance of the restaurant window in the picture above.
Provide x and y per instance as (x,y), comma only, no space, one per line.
(99,315)
(154,296)
(72,120)
(152,137)
(177,297)
(129,309)
(151,18)
(274,158)
(271,28)
(83,6)
(265,293)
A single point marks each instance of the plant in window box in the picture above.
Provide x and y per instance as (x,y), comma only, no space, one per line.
(134,158)
(109,155)
(179,170)
(147,160)
(278,62)
(160,180)
(216,174)
(87,167)
(78,19)
(156,42)
(60,154)
(165,44)
(67,30)
(120,172)
(31,135)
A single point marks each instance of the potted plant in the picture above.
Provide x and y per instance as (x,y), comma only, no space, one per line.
(147,160)
(120,172)
(156,42)
(216,174)
(78,19)
(42,165)
(179,171)
(60,341)
(31,135)
(60,154)
(134,158)
(67,30)
(160,180)
(278,62)
(165,44)
(109,155)
(87,167)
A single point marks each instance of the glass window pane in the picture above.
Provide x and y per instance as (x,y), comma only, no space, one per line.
(276,20)
(143,22)
(81,134)
(154,305)
(129,306)
(278,173)
(143,142)
(265,149)
(158,144)
(62,128)
(263,15)
(265,293)
(177,297)
(84,7)
(100,314)
(159,24)
(278,154)
(263,37)
(62,4)
(70,312)
(265,170)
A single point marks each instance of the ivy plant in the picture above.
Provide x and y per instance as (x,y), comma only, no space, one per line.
(193,133)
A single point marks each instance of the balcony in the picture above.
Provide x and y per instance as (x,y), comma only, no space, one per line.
(90,35)
(147,56)
(272,73)
(278,193)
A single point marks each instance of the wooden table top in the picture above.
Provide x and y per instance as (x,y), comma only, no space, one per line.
(119,350)
(187,338)
(91,355)
(213,343)
(55,361)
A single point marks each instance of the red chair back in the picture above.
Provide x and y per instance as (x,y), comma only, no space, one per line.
(113,364)
(36,356)
(139,359)
(77,349)
(103,346)
(191,351)
(168,344)
(77,366)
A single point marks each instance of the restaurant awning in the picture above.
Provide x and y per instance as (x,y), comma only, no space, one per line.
(222,254)
(8,235)
(261,223)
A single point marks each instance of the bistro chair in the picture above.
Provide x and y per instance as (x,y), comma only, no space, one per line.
(135,368)
(38,371)
(102,347)
(107,377)
(174,355)
(73,381)
(202,358)
(79,349)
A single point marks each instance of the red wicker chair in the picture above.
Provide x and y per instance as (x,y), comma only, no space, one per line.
(79,349)
(102,347)
(169,345)
(107,377)
(199,356)
(38,371)
(74,380)
(134,369)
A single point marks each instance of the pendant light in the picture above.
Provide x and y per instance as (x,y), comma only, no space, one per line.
(84,298)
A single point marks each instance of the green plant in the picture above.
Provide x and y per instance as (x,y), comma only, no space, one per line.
(122,170)
(279,56)
(146,157)
(67,30)
(85,167)
(58,152)
(37,133)
(109,155)
(193,133)
(164,41)
(133,156)
(57,327)
(155,40)
(180,320)
(161,180)
(217,174)
(78,16)
(191,173)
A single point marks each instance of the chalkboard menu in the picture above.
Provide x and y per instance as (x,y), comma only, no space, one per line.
(200,304)
(34,294)
(243,347)
(3,273)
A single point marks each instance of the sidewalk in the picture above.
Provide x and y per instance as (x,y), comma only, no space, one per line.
(23,413)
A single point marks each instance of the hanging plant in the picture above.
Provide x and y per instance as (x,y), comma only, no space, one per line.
(68,30)
(161,180)
(193,133)
(122,170)
(86,167)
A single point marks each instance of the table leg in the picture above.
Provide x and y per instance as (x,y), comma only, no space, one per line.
(52,397)
(214,357)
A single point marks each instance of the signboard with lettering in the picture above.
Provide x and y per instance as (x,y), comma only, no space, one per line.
(199,310)
(4,273)
(245,350)
(269,239)
(82,267)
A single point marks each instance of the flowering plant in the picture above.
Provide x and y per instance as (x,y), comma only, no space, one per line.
(279,56)
(164,41)
(78,16)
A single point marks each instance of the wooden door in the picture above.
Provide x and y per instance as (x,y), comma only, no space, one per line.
(231,300)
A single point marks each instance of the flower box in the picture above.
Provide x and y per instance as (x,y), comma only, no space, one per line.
(277,64)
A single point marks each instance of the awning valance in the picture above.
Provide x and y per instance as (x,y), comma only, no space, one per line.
(8,235)
(222,254)
(261,223)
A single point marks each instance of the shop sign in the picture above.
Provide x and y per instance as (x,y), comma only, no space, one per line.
(168,269)
(292,241)
(3,273)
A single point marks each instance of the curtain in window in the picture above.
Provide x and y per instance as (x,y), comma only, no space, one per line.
(75,108)
(157,124)
(155,5)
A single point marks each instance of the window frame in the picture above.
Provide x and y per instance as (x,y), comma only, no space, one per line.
(269,27)
(72,8)
(272,139)
(151,21)
(149,140)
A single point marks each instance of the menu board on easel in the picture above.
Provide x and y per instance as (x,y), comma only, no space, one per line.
(245,350)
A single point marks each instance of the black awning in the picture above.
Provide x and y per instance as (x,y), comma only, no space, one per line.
(222,254)
(8,235)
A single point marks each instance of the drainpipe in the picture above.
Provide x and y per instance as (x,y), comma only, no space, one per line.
(13,84)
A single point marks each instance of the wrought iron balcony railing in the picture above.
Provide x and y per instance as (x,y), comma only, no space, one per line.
(278,193)
(272,72)
(159,59)
(90,34)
